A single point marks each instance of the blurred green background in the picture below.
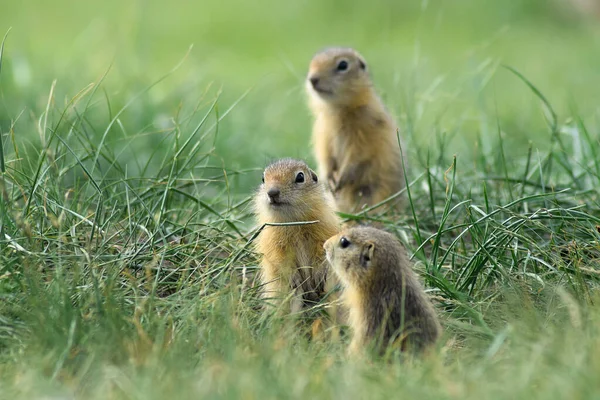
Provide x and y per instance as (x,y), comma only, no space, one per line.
(437,64)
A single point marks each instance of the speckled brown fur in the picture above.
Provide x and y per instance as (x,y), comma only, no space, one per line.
(386,302)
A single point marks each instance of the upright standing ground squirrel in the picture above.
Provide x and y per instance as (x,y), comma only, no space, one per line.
(354,137)
(386,302)
(293,259)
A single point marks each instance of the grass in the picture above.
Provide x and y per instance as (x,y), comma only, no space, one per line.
(126,266)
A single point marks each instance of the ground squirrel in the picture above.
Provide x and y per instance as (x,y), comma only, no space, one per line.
(354,137)
(386,302)
(293,259)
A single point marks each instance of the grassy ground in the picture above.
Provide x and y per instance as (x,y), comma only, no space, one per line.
(125,177)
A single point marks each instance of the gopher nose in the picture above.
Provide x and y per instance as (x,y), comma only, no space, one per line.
(273,193)
(314,81)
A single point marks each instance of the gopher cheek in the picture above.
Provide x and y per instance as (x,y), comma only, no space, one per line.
(348,266)
(328,256)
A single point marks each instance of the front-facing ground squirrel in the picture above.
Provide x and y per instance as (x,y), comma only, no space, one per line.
(386,302)
(354,137)
(293,259)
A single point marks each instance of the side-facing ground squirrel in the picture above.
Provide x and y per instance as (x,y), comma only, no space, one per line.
(386,302)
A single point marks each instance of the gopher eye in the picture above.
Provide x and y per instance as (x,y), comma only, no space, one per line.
(344,242)
(342,65)
(263,178)
(300,177)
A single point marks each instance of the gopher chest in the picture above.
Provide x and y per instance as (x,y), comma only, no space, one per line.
(343,146)
(354,300)
(302,253)
(309,274)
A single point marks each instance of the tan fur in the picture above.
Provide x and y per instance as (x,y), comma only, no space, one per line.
(386,302)
(354,137)
(293,259)
(354,301)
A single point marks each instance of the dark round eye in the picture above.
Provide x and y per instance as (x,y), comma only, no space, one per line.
(300,177)
(344,242)
(342,65)
(263,179)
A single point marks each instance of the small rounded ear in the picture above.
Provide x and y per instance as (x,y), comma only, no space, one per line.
(314,176)
(362,64)
(366,254)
